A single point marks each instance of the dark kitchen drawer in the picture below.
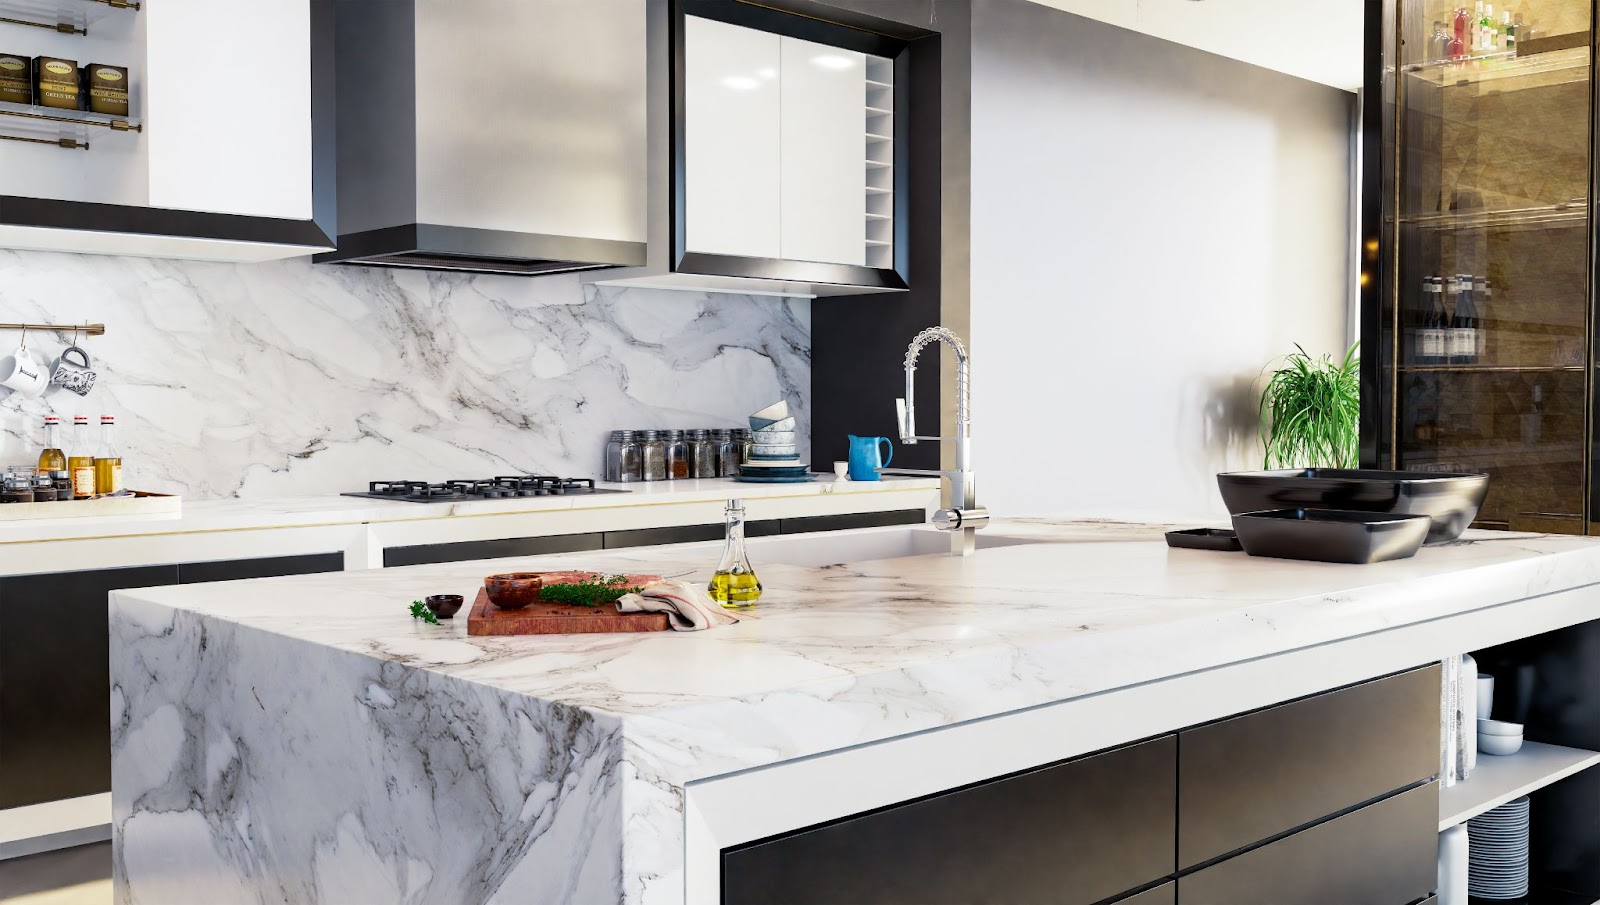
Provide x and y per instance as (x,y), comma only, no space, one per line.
(848,520)
(55,681)
(1075,832)
(1383,854)
(1261,774)
(491,549)
(266,567)
(1165,894)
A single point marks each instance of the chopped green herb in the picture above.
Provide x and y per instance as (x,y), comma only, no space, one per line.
(587,593)
(419,610)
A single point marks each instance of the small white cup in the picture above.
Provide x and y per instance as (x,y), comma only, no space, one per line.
(23,374)
(842,470)
(1485,695)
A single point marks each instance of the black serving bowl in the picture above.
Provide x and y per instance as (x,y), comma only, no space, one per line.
(444,605)
(1451,500)
(1325,535)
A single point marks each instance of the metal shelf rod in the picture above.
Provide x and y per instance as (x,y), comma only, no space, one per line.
(85,329)
(65,28)
(68,143)
(115,125)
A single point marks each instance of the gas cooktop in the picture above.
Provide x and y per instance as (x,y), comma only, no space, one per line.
(501,488)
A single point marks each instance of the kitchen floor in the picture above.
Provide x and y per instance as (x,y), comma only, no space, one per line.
(71,876)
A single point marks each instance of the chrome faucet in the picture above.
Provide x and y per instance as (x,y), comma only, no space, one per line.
(965,516)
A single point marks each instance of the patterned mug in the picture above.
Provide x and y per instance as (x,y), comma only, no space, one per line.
(76,376)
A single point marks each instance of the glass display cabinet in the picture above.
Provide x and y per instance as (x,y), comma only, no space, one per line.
(1478,325)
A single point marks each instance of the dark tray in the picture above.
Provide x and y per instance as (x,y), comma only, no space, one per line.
(1219,539)
(1325,535)
(1451,499)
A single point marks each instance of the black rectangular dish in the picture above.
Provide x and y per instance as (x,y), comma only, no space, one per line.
(1450,499)
(1219,539)
(1324,535)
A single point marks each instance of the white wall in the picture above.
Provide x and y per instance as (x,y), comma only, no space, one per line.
(1318,40)
(1151,224)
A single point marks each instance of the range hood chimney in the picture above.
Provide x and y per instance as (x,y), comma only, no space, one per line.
(490,136)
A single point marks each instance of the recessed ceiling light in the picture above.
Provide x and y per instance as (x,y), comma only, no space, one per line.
(832,61)
(741,83)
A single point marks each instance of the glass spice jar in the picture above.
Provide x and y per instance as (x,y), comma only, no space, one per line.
(653,457)
(677,456)
(746,439)
(727,452)
(622,458)
(702,454)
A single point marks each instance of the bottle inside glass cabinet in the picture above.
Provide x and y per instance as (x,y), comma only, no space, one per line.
(735,584)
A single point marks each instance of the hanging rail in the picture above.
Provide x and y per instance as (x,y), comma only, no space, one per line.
(66,28)
(68,143)
(85,329)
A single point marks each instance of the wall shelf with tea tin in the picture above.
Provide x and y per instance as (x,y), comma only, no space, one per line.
(225,177)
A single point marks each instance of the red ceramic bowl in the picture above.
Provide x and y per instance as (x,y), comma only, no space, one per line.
(513,590)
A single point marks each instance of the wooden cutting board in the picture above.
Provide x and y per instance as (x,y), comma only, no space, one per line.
(557,619)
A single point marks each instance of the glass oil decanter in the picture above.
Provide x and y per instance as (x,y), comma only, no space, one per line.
(735,584)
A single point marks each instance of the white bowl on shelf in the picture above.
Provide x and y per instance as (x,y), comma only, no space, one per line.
(1499,727)
(1499,745)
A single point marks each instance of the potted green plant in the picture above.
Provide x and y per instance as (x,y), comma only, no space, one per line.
(1311,411)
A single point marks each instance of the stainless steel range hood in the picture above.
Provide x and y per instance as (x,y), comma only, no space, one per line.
(491,136)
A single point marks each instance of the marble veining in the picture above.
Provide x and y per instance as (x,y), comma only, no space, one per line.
(835,656)
(283,379)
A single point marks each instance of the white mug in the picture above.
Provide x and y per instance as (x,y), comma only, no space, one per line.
(23,373)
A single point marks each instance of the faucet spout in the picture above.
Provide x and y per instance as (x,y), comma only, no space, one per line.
(965,516)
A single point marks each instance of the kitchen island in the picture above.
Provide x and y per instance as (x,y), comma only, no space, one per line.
(304,739)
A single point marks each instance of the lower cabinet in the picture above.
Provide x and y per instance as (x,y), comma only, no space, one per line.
(55,679)
(1383,854)
(1077,832)
(1327,800)
(55,716)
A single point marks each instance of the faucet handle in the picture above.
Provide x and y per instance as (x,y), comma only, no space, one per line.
(903,419)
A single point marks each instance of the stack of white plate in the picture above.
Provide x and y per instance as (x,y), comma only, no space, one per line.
(1497,859)
(774,457)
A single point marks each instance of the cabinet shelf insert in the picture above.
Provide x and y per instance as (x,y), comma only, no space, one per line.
(1498,780)
(1564,66)
(1490,369)
(1574,212)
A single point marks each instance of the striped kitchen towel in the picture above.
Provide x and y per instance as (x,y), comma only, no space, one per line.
(688,607)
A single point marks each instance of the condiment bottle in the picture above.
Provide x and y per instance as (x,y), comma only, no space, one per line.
(108,460)
(653,457)
(702,454)
(81,460)
(52,459)
(735,584)
(677,456)
(727,452)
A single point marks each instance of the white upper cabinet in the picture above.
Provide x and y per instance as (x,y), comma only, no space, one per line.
(779,152)
(733,139)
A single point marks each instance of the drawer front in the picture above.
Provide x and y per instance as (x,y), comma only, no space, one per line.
(1383,854)
(1078,832)
(1256,776)
(1165,894)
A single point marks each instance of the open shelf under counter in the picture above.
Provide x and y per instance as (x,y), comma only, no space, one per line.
(1498,780)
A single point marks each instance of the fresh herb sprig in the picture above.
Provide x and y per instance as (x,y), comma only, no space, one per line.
(593,592)
(419,610)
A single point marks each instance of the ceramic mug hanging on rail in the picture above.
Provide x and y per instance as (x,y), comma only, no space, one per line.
(77,376)
(23,373)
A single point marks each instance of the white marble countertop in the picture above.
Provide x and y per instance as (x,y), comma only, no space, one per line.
(834,656)
(289,512)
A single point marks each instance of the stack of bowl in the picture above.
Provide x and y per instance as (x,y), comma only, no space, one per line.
(774,458)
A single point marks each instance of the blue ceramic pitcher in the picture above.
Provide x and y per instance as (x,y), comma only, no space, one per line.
(864,459)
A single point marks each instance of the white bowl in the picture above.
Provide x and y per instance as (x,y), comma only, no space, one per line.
(1499,727)
(1499,744)
(776,427)
(778,411)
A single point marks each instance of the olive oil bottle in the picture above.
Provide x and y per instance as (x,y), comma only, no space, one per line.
(108,461)
(52,459)
(735,584)
(81,461)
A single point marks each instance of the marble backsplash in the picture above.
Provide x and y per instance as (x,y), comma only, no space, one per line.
(285,379)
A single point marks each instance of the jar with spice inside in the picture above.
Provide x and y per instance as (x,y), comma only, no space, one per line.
(702,454)
(653,457)
(727,452)
(622,458)
(19,484)
(677,456)
(746,439)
